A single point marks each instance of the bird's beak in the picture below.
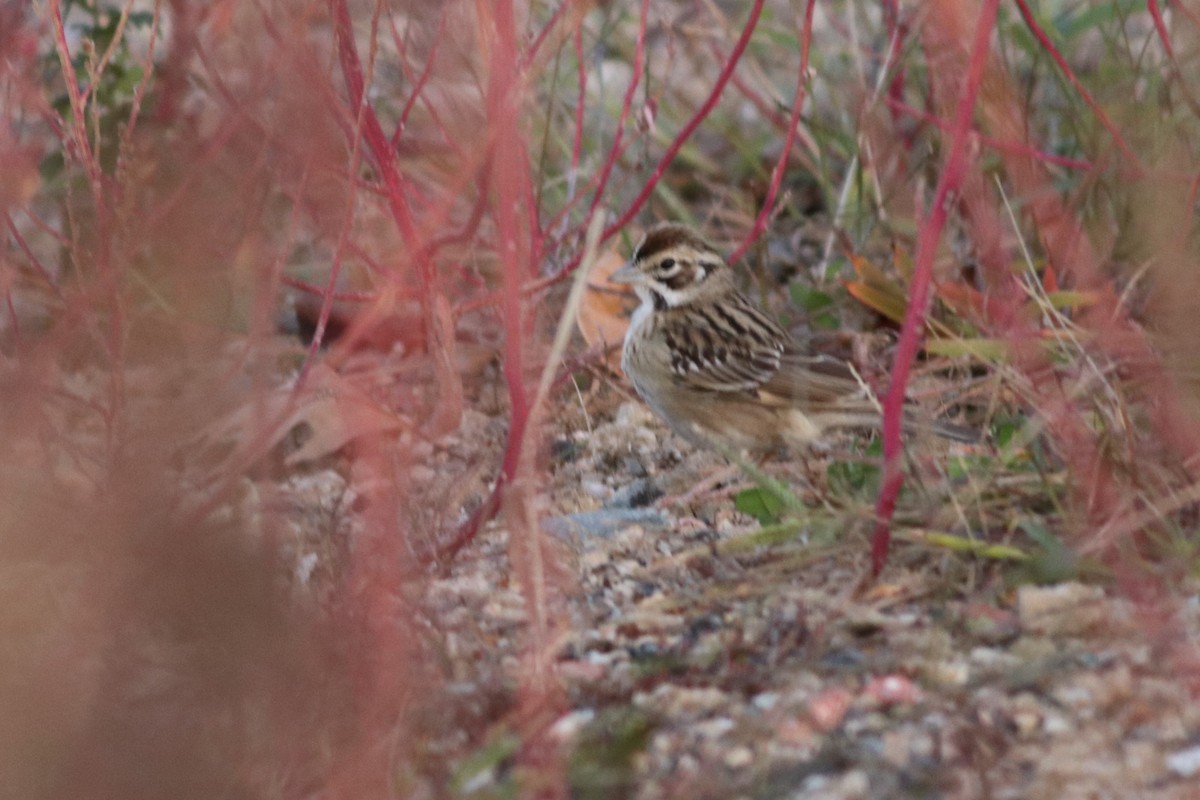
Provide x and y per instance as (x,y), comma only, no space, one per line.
(626,274)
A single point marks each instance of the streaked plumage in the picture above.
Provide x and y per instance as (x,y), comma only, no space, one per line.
(717,368)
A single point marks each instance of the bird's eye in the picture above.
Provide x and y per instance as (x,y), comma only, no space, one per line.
(668,266)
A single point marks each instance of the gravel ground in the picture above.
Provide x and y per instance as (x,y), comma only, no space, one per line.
(698,664)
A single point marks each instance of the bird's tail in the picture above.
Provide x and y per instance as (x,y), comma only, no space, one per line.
(914,424)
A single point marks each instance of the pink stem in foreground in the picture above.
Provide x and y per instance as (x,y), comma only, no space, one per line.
(466,532)
(953,173)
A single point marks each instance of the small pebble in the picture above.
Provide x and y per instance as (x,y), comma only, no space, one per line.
(739,757)
(765,701)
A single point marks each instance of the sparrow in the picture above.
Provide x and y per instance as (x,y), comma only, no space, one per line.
(719,370)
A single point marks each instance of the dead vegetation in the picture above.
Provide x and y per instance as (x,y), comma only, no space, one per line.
(320,481)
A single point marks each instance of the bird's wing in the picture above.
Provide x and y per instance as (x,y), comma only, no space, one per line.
(726,347)
(812,380)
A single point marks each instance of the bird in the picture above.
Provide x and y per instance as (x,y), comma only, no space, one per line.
(719,370)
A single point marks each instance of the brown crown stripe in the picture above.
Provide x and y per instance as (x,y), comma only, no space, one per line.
(665,237)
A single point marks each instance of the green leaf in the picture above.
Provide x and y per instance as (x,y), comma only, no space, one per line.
(853,476)
(603,762)
(850,476)
(1052,561)
(984,350)
(810,299)
(760,503)
(483,767)
(817,305)
(968,546)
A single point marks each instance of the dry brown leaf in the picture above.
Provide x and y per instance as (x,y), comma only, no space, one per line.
(603,314)
(338,412)
(335,410)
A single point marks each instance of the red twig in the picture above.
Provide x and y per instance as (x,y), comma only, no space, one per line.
(764,214)
(672,150)
(897,30)
(322,291)
(513,223)
(581,98)
(378,144)
(1187,11)
(762,104)
(78,144)
(614,152)
(364,122)
(531,53)
(1048,46)
(1160,27)
(418,85)
(677,143)
(953,173)
(35,263)
(1016,148)
(509,169)
(139,93)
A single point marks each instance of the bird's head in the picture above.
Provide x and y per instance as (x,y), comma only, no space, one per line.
(673,266)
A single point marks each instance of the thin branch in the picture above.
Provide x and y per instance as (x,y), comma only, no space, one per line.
(953,172)
(764,214)
(1047,45)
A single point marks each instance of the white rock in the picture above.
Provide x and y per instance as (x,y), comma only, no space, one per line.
(568,726)
(305,567)
(1185,763)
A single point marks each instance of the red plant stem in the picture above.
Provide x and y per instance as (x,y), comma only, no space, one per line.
(518,242)
(760,103)
(378,144)
(581,99)
(471,225)
(672,150)
(1187,11)
(467,531)
(897,30)
(513,222)
(18,339)
(677,143)
(528,56)
(312,288)
(139,93)
(764,214)
(79,145)
(418,86)
(1016,148)
(953,173)
(1160,27)
(34,262)
(335,267)
(1048,46)
(614,152)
